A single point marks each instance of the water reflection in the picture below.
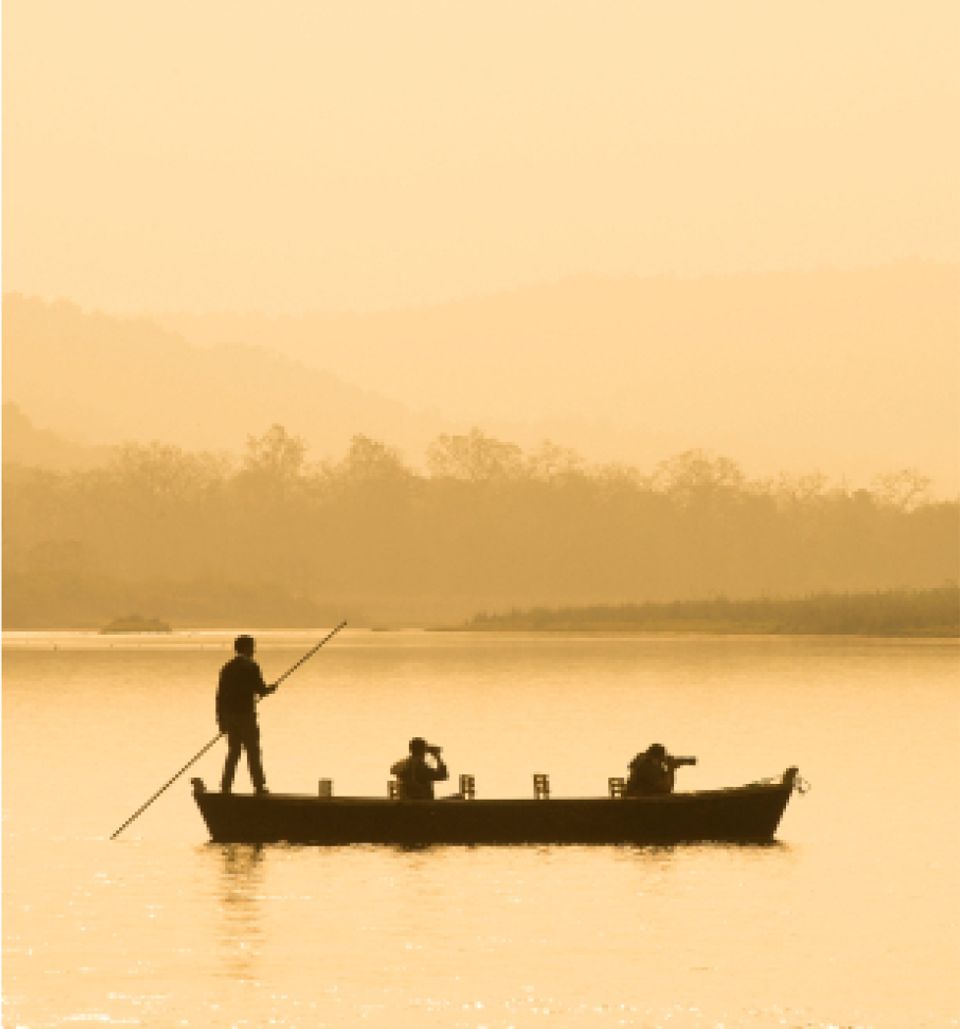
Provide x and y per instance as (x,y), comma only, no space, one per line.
(666,849)
(816,930)
(240,895)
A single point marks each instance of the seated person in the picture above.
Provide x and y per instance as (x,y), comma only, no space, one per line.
(652,772)
(415,778)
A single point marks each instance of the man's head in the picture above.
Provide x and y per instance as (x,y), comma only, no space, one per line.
(244,645)
(418,746)
(657,750)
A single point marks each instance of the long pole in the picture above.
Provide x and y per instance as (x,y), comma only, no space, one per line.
(199,754)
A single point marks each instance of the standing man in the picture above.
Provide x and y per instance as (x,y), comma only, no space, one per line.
(241,683)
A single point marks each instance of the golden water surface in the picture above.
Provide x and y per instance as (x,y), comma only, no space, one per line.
(850,919)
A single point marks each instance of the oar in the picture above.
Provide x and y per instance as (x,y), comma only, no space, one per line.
(199,754)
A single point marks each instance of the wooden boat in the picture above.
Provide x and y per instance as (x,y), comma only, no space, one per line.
(742,814)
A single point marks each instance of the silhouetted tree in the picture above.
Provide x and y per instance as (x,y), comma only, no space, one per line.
(490,526)
(474,457)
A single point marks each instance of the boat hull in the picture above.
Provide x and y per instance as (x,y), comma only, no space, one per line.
(745,814)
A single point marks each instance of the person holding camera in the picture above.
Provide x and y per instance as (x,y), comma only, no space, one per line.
(415,777)
(652,772)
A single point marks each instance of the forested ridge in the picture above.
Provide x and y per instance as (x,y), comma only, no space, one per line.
(273,539)
(896,612)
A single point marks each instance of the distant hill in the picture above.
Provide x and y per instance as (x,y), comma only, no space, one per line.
(24,443)
(851,372)
(95,378)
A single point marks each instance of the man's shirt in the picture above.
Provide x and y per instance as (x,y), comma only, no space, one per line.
(241,682)
(416,777)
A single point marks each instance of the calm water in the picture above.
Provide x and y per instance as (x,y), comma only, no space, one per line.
(850,920)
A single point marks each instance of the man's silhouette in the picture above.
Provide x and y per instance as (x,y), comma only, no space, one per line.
(240,684)
(415,778)
(652,772)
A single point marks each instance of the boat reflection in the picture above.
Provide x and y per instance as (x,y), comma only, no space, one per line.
(240,895)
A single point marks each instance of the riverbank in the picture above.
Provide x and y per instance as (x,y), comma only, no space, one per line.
(911,613)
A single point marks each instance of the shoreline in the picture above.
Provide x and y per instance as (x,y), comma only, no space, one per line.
(622,631)
(665,630)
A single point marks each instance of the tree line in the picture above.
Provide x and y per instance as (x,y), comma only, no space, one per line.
(896,612)
(271,538)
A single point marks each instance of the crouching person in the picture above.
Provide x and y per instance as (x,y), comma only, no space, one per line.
(652,773)
(415,776)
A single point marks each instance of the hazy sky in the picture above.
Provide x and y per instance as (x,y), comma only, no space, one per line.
(313,155)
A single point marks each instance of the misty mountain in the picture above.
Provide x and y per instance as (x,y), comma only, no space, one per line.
(852,372)
(96,378)
(24,443)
